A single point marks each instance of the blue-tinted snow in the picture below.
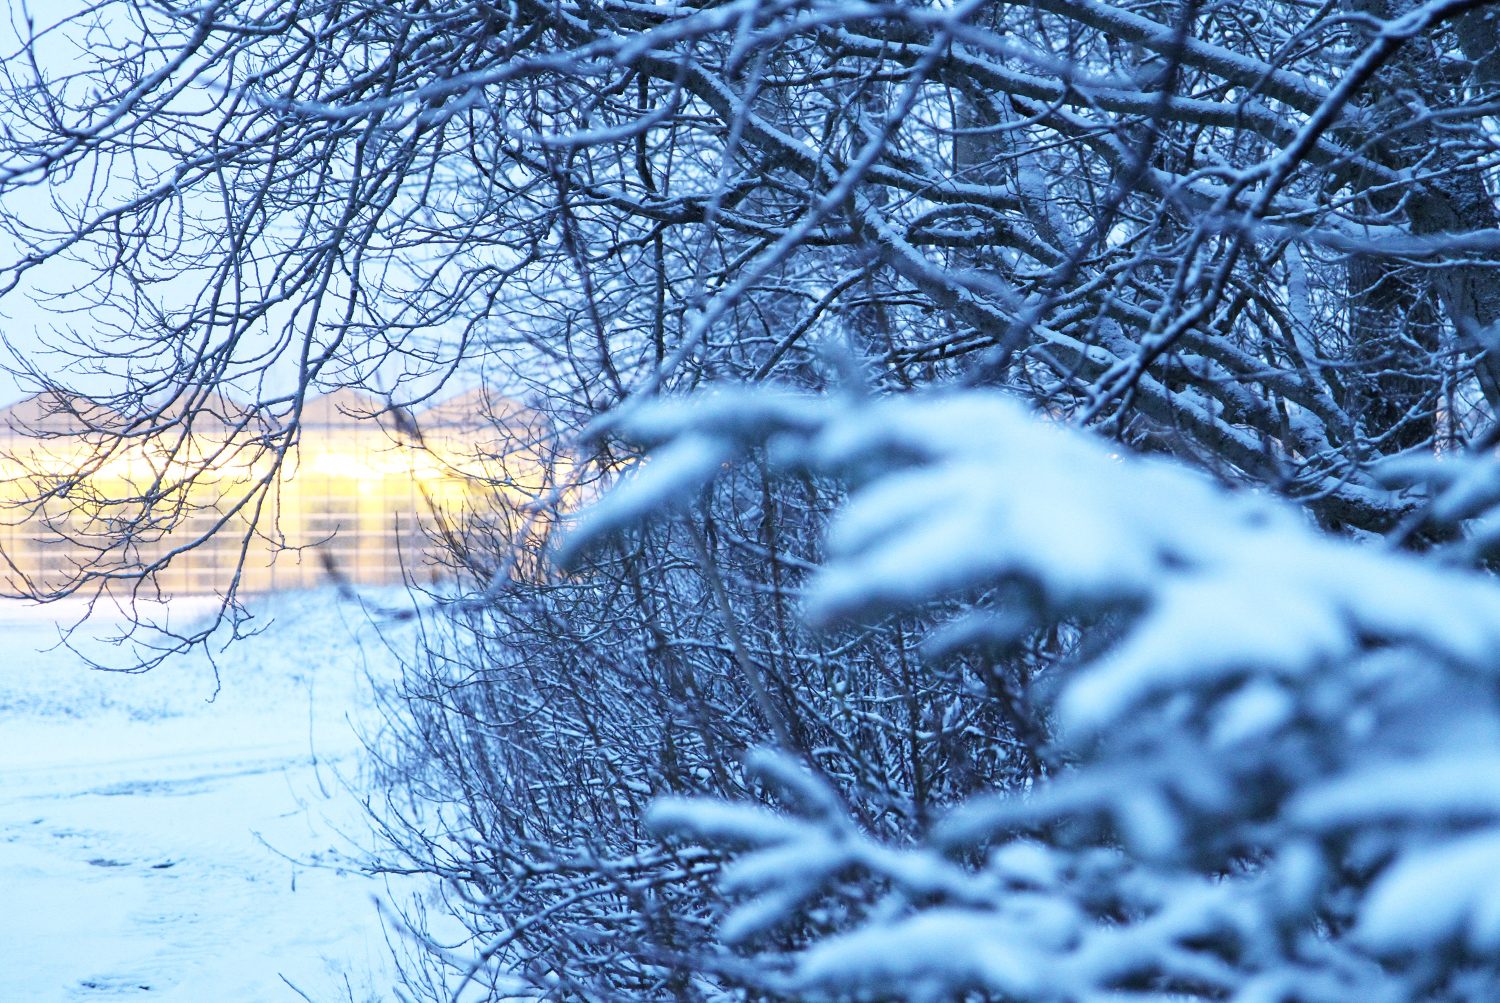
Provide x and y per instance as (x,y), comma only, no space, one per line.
(156,845)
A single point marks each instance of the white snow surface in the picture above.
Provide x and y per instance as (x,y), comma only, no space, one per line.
(161,841)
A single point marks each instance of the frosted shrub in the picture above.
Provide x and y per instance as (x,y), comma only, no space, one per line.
(1275,759)
(521,756)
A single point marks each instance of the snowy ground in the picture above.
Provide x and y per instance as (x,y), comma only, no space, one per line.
(155,845)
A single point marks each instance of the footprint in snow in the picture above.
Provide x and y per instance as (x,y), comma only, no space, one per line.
(115,986)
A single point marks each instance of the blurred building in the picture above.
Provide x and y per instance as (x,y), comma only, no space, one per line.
(193,492)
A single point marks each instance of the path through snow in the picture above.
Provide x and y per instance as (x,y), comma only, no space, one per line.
(155,845)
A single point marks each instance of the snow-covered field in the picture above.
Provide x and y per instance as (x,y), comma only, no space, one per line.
(156,844)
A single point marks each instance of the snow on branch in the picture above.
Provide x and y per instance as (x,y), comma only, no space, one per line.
(1282,743)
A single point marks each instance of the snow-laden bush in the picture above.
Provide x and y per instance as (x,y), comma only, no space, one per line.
(1274,760)
(522,753)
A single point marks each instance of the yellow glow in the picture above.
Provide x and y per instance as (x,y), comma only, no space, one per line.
(349,502)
